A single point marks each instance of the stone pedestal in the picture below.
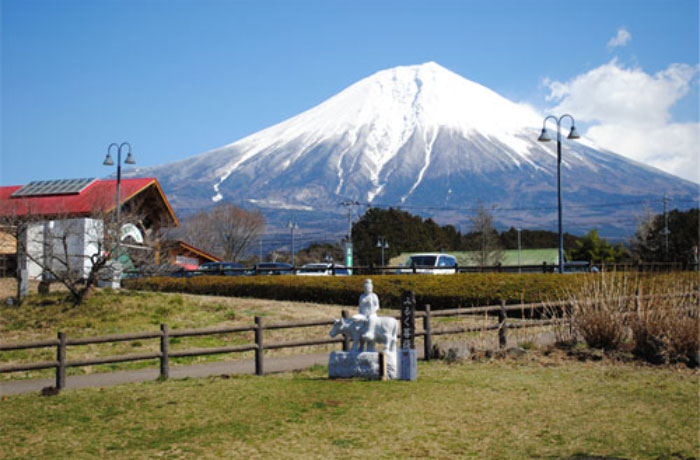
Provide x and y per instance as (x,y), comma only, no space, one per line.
(343,365)
(408,364)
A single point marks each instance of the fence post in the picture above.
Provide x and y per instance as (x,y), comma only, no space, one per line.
(259,344)
(346,339)
(61,358)
(502,340)
(427,338)
(413,267)
(164,352)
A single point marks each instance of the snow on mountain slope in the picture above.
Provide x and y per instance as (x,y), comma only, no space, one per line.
(407,135)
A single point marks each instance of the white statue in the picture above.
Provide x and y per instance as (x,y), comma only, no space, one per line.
(367,311)
(366,328)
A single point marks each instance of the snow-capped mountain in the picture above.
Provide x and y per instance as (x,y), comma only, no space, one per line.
(423,137)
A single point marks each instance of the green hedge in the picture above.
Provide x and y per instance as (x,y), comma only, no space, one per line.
(445,291)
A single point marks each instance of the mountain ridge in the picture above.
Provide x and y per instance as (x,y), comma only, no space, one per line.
(411,135)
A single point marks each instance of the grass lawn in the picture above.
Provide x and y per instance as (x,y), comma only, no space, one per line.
(114,312)
(501,409)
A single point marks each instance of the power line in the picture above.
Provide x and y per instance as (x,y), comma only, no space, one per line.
(496,208)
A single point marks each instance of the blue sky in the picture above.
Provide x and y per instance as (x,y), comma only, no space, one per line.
(176,78)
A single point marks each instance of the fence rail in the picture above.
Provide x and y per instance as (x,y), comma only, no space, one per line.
(259,346)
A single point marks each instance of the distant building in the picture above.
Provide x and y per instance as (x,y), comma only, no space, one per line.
(184,255)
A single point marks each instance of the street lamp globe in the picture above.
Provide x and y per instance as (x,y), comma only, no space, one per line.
(573,134)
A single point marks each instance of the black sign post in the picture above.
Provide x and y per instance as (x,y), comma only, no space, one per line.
(408,367)
(408,320)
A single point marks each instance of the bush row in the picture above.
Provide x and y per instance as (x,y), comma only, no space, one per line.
(445,291)
(662,325)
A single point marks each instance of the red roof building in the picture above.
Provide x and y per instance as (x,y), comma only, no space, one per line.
(98,197)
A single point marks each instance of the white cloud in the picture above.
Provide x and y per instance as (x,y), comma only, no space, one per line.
(629,110)
(621,39)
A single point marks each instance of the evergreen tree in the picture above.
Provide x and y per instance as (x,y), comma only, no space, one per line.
(593,248)
(649,242)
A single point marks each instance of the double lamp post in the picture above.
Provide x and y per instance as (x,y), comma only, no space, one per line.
(108,162)
(544,137)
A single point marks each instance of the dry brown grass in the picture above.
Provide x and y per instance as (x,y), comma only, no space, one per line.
(660,320)
(667,329)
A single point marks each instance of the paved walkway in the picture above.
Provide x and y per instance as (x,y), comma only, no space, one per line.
(108,379)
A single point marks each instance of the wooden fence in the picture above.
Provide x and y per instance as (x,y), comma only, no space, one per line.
(62,342)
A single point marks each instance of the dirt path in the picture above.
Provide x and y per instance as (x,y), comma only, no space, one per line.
(271,365)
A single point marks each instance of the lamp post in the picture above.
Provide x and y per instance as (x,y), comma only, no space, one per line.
(573,134)
(383,244)
(292,225)
(108,162)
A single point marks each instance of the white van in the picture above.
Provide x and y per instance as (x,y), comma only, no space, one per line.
(431,263)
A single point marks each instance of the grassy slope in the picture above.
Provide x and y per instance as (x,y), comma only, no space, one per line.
(113,312)
(498,410)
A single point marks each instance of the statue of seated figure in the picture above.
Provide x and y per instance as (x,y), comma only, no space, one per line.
(367,311)
(366,328)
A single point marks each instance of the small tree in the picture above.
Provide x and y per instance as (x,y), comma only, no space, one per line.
(593,248)
(483,239)
(51,244)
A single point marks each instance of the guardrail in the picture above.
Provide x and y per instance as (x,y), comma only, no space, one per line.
(62,342)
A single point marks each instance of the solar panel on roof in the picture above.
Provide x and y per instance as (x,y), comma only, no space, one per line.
(53,187)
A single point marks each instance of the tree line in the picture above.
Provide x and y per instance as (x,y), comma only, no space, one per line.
(406,232)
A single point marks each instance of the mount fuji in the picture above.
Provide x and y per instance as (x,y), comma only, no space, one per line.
(428,140)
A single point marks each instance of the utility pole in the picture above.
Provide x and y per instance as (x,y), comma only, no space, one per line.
(519,262)
(292,225)
(666,231)
(260,243)
(348,243)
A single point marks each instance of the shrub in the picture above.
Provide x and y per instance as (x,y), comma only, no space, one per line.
(666,329)
(598,310)
(443,291)
(659,313)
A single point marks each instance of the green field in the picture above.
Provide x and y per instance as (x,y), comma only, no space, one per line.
(510,257)
(545,408)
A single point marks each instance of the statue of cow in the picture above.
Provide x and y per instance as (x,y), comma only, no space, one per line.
(385,332)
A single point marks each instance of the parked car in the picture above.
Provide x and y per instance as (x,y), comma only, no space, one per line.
(221,268)
(273,268)
(430,263)
(322,269)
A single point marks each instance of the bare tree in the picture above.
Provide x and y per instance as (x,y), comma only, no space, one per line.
(486,244)
(226,230)
(643,241)
(71,250)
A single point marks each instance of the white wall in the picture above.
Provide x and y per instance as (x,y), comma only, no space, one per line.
(83,238)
